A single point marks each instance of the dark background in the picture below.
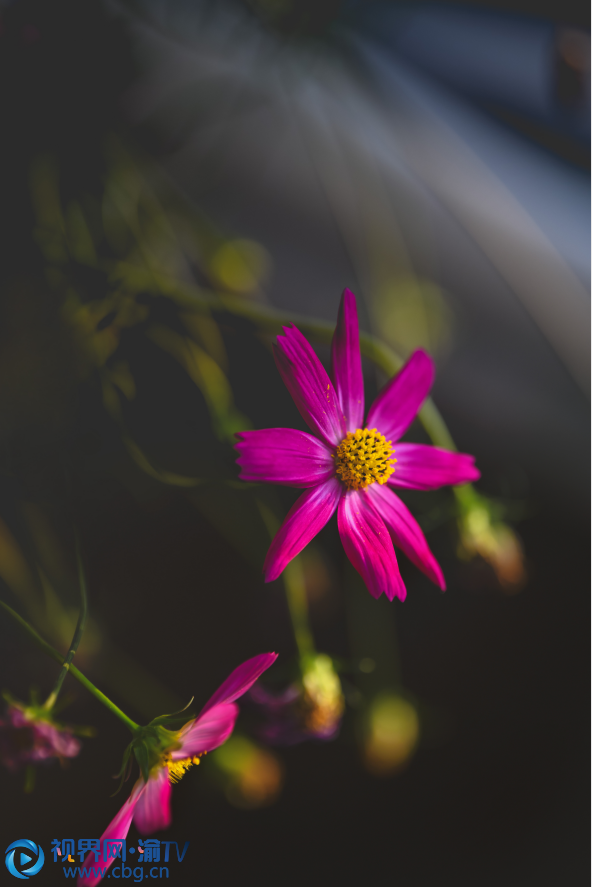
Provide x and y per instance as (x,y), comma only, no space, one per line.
(499,795)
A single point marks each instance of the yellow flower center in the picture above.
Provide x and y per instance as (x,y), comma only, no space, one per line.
(178,769)
(363,457)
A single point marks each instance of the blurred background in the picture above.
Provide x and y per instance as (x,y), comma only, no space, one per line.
(170,171)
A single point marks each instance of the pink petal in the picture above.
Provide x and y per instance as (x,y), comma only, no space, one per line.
(306,518)
(153,811)
(284,456)
(396,406)
(346,363)
(307,381)
(240,680)
(421,467)
(368,545)
(207,732)
(117,828)
(406,532)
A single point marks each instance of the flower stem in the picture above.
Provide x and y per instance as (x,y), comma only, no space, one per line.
(298,606)
(57,657)
(51,699)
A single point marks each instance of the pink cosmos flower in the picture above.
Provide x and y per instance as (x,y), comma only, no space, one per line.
(348,466)
(28,735)
(149,804)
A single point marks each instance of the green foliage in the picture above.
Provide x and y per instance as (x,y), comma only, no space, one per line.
(114,260)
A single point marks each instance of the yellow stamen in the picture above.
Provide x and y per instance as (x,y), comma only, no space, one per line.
(364,456)
(177,769)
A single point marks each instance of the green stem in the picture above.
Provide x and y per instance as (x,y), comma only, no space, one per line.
(51,699)
(298,605)
(57,657)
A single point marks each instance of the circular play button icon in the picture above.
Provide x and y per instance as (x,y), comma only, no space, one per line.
(22,869)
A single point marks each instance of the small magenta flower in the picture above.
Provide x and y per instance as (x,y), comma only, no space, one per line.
(348,466)
(166,755)
(29,735)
